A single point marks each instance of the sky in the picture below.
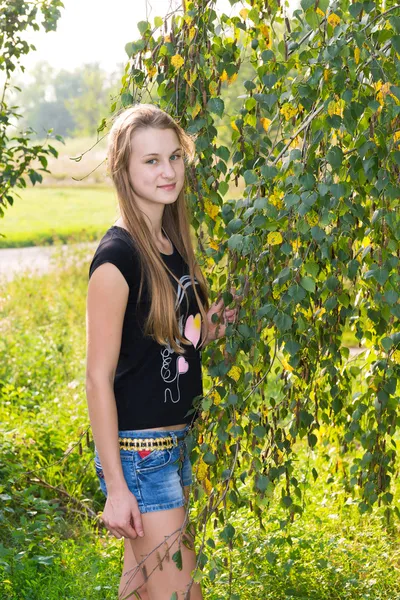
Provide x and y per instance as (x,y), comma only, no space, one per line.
(97,31)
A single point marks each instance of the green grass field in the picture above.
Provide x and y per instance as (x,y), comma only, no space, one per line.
(43,215)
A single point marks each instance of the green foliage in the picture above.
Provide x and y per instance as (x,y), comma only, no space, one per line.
(50,539)
(312,245)
(17,155)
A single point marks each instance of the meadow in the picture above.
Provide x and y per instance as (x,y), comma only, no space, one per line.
(52,544)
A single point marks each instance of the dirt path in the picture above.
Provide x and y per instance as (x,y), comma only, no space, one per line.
(36,259)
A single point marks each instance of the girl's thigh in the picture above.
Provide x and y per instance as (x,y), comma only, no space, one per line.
(163,536)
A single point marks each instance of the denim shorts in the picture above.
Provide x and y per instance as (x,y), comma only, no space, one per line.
(156,480)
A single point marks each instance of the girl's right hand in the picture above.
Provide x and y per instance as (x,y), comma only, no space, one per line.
(121,515)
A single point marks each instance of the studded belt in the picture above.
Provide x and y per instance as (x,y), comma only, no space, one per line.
(135,444)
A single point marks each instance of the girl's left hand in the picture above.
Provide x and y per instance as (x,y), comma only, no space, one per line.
(225,315)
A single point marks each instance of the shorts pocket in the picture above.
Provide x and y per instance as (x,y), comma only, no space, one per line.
(153,461)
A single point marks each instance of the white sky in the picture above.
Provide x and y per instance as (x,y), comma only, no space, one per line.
(97,31)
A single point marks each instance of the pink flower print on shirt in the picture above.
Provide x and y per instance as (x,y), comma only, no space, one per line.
(174,366)
(193,329)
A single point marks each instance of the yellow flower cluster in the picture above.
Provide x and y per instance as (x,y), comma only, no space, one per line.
(357,54)
(396,136)
(288,111)
(234,373)
(177,61)
(274,238)
(216,398)
(202,470)
(276,198)
(333,19)
(224,76)
(265,123)
(211,209)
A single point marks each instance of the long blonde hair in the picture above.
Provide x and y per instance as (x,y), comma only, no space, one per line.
(161,323)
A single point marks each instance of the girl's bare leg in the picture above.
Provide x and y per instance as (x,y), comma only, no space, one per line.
(132,579)
(164,530)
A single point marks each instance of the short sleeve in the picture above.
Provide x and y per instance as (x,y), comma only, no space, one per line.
(117,252)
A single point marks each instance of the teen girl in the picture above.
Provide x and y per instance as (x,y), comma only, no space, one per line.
(148,317)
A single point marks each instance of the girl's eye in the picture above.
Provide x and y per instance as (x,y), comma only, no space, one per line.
(177,156)
(150,161)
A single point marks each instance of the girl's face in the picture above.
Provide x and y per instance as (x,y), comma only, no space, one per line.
(156,166)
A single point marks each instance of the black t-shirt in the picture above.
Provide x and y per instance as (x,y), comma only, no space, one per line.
(153,386)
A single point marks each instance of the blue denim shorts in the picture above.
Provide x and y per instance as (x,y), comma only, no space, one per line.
(158,479)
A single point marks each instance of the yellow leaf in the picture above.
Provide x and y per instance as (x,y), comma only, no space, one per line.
(192,32)
(326,75)
(207,486)
(167,38)
(177,61)
(213,245)
(233,78)
(274,238)
(151,71)
(333,19)
(396,136)
(202,470)
(234,126)
(196,109)
(224,76)
(357,55)
(286,365)
(265,123)
(320,12)
(243,13)
(234,373)
(213,87)
(211,209)
(216,397)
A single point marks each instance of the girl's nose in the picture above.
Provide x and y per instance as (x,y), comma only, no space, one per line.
(168,170)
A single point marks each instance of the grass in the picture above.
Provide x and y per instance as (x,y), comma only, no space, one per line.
(50,548)
(43,215)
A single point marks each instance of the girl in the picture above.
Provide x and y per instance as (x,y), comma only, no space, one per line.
(148,318)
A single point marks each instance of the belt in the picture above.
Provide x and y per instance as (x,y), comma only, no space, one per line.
(134,444)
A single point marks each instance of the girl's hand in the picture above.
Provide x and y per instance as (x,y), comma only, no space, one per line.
(121,515)
(225,315)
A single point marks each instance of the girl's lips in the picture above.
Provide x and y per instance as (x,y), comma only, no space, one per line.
(167,187)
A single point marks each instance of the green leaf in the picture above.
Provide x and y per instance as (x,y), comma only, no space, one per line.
(227,533)
(312,440)
(396,43)
(292,347)
(308,284)
(259,431)
(235,242)
(223,187)
(143,26)
(335,157)
(126,99)
(177,558)
(262,482)
(250,177)
(216,106)
(317,233)
(283,321)
(209,458)
(158,22)
(174,596)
